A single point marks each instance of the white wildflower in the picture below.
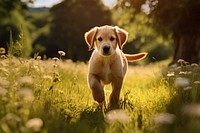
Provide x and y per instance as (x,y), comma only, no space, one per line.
(173,66)
(39,58)
(194,65)
(47,77)
(180,61)
(3,57)
(26,80)
(188,72)
(117,115)
(191,109)
(182,82)
(164,118)
(26,94)
(55,59)
(170,75)
(187,88)
(182,73)
(197,82)
(2,51)
(34,124)
(178,68)
(61,53)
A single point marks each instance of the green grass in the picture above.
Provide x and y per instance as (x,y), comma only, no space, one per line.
(56,92)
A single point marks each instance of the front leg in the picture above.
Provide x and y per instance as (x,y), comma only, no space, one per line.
(116,88)
(97,88)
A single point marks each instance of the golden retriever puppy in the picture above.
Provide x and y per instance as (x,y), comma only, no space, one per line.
(108,64)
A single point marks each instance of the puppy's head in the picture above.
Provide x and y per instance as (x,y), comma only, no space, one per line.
(106,39)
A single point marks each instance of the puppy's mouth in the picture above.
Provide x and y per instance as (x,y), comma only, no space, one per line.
(105,53)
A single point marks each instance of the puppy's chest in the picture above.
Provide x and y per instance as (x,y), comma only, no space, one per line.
(106,74)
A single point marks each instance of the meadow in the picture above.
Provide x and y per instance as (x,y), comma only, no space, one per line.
(52,96)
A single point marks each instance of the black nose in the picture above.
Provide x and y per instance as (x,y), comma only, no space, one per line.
(106,49)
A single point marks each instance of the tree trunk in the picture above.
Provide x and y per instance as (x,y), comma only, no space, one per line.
(187,47)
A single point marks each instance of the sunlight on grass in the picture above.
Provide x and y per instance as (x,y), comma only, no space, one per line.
(53,96)
(58,90)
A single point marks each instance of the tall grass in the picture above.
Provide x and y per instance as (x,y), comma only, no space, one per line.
(56,92)
(52,95)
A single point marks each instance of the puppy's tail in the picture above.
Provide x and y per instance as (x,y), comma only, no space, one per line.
(135,57)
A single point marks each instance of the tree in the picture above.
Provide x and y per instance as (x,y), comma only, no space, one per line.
(142,35)
(71,19)
(12,17)
(178,18)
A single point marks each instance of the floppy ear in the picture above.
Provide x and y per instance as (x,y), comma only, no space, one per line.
(90,37)
(122,36)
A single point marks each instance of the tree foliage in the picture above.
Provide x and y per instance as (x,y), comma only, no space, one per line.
(142,34)
(12,20)
(71,19)
(177,16)
(180,18)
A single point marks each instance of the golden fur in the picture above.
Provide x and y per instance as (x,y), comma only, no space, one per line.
(108,64)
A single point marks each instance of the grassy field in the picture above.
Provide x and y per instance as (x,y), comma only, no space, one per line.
(52,96)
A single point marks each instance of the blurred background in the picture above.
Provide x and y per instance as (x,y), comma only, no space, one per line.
(166,29)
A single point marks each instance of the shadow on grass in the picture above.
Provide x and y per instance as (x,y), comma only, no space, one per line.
(88,121)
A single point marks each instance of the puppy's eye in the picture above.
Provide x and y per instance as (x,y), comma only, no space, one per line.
(112,38)
(100,39)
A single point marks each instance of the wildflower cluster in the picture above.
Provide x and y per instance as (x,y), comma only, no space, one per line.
(17,96)
(15,103)
(186,77)
(184,81)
